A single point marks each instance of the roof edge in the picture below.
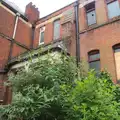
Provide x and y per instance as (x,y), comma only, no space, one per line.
(55,12)
(14,10)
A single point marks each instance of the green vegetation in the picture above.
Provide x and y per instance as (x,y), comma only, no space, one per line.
(54,89)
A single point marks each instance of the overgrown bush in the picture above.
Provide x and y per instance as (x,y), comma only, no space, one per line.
(56,89)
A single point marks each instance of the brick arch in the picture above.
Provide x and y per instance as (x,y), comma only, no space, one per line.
(93,51)
(116,46)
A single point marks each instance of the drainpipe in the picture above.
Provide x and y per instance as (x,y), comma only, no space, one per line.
(14,33)
(76,8)
(16,23)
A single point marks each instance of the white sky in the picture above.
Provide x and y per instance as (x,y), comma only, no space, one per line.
(45,6)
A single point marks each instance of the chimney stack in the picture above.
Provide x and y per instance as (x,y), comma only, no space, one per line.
(32,13)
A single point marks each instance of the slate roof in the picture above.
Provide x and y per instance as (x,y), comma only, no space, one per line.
(13,7)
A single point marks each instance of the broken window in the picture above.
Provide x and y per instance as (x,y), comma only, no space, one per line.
(90,13)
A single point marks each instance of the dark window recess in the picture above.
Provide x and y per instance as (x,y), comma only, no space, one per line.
(94,60)
(42,37)
(90,13)
(113,8)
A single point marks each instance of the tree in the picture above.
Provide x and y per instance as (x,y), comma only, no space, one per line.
(56,89)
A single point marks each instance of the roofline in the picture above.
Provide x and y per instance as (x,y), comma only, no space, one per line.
(55,12)
(14,10)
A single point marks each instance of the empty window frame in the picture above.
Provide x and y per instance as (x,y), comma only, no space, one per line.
(94,60)
(90,13)
(113,7)
(117,60)
(42,32)
(56,33)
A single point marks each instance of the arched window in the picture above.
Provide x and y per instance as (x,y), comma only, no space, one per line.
(94,60)
(116,49)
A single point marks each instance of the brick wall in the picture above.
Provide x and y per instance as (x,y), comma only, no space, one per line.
(23,33)
(103,35)
(22,36)
(65,15)
(102,38)
(17,50)
(4,52)
(7,20)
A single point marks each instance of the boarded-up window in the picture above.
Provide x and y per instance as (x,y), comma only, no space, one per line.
(56,30)
(117,60)
(94,60)
(90,12)
(113,8)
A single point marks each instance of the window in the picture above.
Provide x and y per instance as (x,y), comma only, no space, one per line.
(113,8)
(117,60)
(90,13)
(94,60)
(56,29)
(42,31)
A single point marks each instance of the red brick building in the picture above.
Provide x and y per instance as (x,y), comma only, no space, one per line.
(16,31)
(99,24)
(99,33)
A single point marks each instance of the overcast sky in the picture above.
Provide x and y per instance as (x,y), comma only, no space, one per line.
(45,6)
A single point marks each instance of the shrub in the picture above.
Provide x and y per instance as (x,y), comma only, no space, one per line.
(93,99)
(54,89)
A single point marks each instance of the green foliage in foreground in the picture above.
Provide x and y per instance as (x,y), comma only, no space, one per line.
(59,90)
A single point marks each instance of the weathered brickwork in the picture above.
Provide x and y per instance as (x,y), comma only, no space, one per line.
(103,39)
(101,36)
(15,39)
(23,33)
(67,27)
(7,21)
(4,52)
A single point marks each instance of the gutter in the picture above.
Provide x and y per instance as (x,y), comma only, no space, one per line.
(76,8)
